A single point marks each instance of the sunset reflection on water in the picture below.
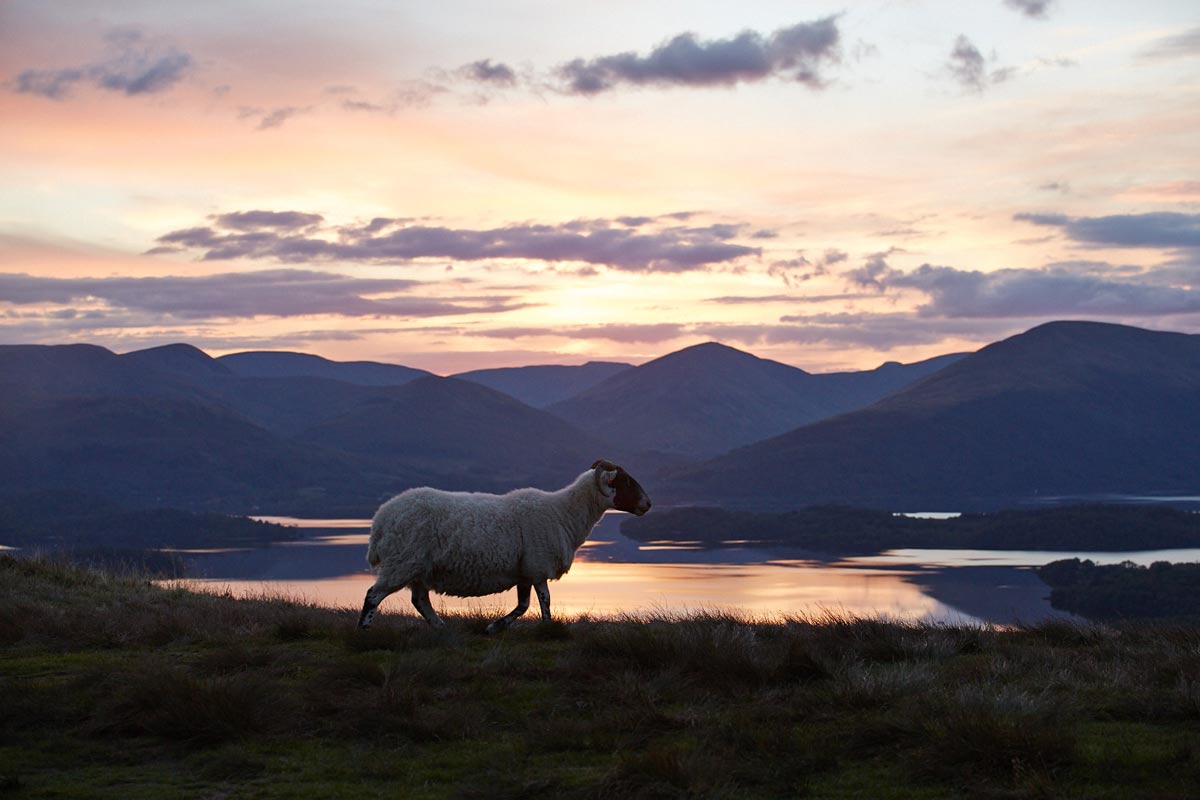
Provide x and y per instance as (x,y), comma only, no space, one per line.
(613,575)
(605,589)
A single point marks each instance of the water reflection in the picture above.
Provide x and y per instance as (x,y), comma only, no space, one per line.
(614,574)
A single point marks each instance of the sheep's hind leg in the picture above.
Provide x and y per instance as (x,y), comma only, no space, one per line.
(420,600)
(543,593)
(507,619)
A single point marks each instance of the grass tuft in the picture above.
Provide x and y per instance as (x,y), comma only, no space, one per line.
(164,701)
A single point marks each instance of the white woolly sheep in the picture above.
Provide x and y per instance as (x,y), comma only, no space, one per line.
(470,544)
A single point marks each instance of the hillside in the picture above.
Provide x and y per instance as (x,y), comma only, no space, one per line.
(543,385)
(171,426)
(165,692)
(457,434)
(1068,408)
(710,398)
(281,364)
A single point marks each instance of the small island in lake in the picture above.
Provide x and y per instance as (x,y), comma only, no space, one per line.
(1126,590)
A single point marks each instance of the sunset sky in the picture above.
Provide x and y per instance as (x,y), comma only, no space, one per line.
(465,184)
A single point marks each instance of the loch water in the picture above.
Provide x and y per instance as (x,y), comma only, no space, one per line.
(613,575)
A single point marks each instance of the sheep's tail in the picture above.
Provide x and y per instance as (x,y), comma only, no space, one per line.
(373,545)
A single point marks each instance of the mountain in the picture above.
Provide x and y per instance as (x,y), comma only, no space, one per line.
(172,426)
(541,386)
(458,434)
(1067,408)
(180,359)
(279,364)
(148,428)
(710,398)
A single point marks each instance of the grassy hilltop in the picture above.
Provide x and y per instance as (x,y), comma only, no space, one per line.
(113,687)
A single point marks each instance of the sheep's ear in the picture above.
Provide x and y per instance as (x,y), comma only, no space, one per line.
(606,480)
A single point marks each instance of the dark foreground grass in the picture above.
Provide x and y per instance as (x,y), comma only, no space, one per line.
(113,687)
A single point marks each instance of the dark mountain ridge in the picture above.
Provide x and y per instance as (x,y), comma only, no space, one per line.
(283,364)
(710,398)
(173,426)
(1065,409)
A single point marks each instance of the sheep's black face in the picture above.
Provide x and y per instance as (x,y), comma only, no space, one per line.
(630,496)
(626,493)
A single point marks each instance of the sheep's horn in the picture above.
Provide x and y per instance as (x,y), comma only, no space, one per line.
(605,465)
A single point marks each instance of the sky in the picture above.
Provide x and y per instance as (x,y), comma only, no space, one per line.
(460,185)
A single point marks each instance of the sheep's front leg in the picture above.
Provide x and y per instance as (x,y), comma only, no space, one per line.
(420,600)
(375,596)
(543,593)
(507,619)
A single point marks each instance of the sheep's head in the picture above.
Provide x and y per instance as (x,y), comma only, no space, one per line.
(626,493)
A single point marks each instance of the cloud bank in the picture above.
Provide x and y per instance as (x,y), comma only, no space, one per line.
(1165,229)
(798,53)
(133,65)
(295,237)
(266,293)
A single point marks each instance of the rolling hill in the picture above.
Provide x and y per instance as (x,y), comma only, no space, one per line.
(458,434)
(544,385)
(282,364)
(172,426)
(1065,409)
(710,398)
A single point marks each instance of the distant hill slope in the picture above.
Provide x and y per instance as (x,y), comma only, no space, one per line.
(280,364)
(541,386)
(461,435)
(710,398)
(171,426)
(1067,408)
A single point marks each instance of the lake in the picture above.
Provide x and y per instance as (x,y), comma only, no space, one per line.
(613,574)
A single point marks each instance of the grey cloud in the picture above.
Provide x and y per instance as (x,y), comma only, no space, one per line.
(132,65)
(1040,293)
(967,65)
(277,116)
(671,249)
(1042,219)
(485,72)
(800,53)
(874,272)
(1165,229)
(269,293)
(53,84)
(833,256)
(797,270)
(254,220)
(1030,8)
(1180,45)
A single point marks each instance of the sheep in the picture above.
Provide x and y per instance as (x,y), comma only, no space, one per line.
(470,544)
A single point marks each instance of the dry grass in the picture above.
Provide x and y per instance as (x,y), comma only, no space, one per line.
(710,705)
